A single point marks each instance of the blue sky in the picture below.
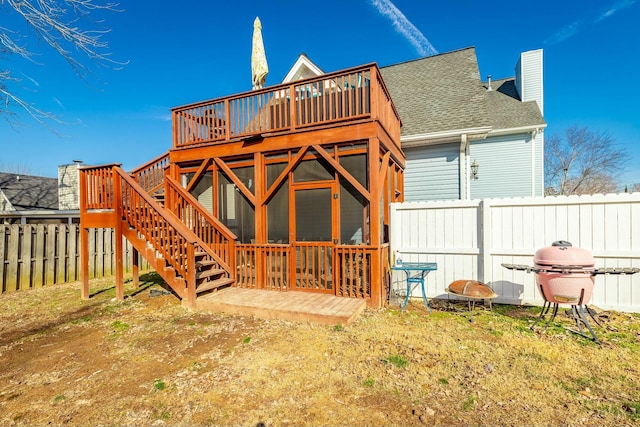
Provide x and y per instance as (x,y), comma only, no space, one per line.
(183,52)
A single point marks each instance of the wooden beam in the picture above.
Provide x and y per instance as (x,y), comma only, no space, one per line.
(374,223)
(284,174)
(384,167)
(357,131)
(243,188)
(117,191)
(84,262)
(260,210)
(342,171)
(202,169)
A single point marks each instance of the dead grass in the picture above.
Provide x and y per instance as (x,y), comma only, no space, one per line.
(148,361)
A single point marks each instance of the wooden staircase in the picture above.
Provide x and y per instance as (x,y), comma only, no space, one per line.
(167,233)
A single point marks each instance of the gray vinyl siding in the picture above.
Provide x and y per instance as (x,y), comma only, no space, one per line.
(504,167)
(432,173)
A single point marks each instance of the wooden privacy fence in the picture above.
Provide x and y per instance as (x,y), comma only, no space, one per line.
(471,239)
(34,255)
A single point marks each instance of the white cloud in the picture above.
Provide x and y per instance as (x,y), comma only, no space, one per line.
(404,27)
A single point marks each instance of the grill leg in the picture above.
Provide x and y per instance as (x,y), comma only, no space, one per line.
(580,317)
(545,310)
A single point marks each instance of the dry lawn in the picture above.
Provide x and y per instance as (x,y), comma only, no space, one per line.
(148,361)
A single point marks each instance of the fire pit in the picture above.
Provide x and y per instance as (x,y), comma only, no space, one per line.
(565,275)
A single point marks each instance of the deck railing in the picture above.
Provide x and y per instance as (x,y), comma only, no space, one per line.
(150,176)
(99,183)
(344,270)
(207,227)
(356,93)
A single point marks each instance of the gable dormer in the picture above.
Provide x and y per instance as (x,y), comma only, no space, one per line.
(302,69)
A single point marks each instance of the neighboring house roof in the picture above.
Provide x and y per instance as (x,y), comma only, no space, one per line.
(27,192)
(444,93)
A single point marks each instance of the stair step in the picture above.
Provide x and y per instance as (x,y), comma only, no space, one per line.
(205,263)
(214,284)
(209,273)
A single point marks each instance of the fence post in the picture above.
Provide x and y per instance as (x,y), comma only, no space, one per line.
(4,230)
(484,253)
(12,283)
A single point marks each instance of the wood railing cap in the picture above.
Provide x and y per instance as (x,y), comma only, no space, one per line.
(281,86)
(151,162)
(104,166)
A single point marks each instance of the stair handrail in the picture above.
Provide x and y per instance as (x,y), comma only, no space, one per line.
(168,236)
(222,241)
(150,175)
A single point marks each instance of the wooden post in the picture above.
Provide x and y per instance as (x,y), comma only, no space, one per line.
(191,276)
(260,224)
(117,190)
(135,265)
(374,221)
(84,261)
(84,237)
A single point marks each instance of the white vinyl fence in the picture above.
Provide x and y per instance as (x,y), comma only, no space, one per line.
(471,239)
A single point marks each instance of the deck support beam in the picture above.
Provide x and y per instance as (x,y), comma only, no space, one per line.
(84,262)
(117,189)
(375,193)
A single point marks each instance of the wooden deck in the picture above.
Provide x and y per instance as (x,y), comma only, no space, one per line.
(296,306)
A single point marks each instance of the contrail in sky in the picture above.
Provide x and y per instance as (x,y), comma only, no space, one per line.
(619,5)
(404,27)
(576,26)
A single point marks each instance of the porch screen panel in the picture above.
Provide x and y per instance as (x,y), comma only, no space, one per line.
(313,215)
(353,206)
(235,211)
(356,165)
(278,206)
(313,170)
(203,191)
(353,215)
(278,216)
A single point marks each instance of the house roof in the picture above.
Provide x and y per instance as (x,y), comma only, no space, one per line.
(444,93)
(505,109)
(27,192)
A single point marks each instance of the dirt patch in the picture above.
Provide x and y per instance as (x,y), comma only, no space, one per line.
(149,361)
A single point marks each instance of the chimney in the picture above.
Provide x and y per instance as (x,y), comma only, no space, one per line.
(69,186)
(529,78)
(489,82)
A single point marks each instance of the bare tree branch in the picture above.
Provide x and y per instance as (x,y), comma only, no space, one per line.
(67,26)
(584,162)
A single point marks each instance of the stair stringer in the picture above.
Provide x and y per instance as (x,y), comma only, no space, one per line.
(178,284)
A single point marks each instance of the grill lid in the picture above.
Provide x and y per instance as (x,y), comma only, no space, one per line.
(564,254)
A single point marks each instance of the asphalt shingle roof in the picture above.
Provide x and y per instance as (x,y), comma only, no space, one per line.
(27,192)
(444,93)
(505,108)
